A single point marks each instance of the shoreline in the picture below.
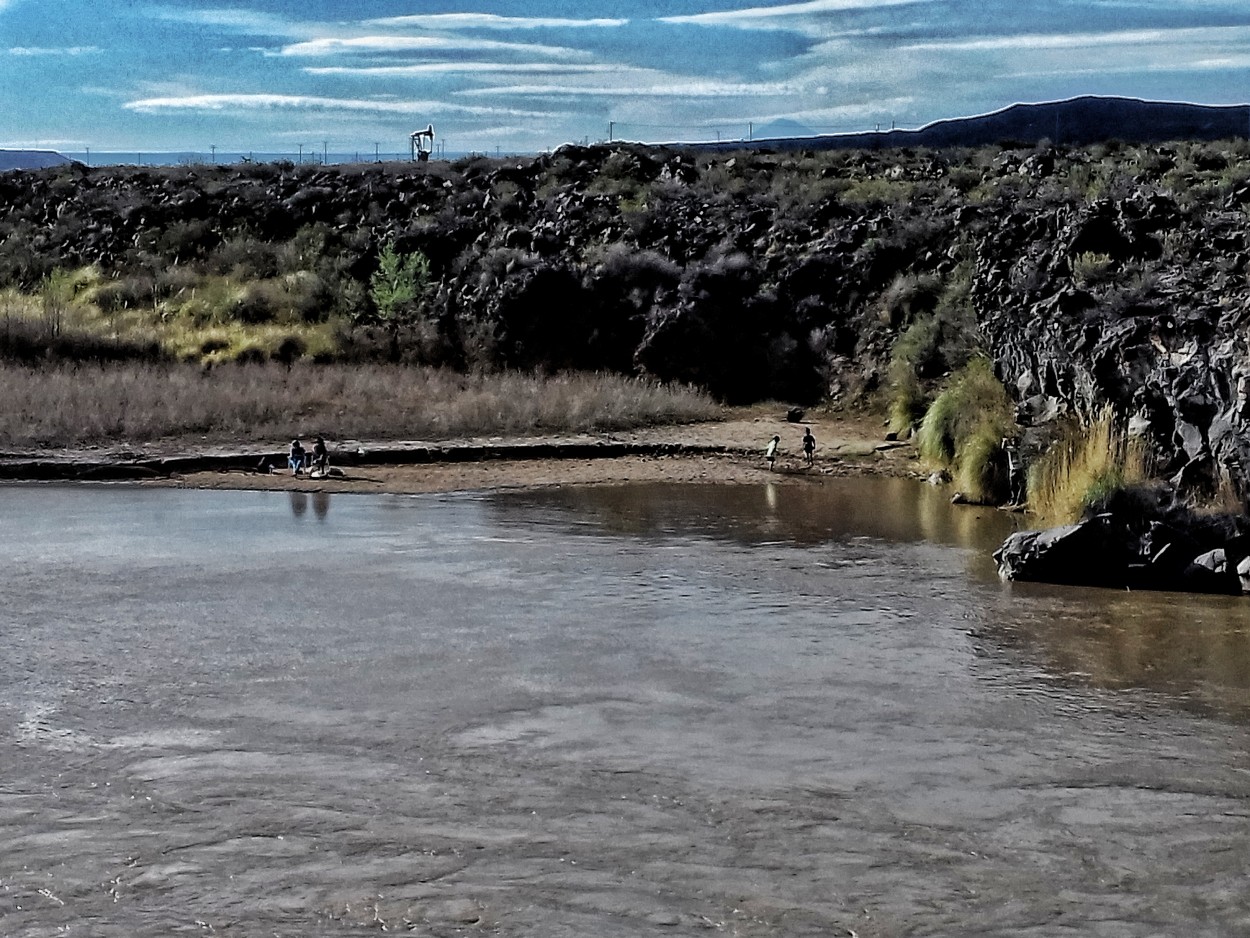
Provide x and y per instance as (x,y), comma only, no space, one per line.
(728,451)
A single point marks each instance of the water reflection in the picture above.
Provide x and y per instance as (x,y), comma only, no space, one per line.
(893,510)
(1194,649)
(320,504)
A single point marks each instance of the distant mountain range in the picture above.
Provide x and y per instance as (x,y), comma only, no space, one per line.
(1075,121)
(31,159)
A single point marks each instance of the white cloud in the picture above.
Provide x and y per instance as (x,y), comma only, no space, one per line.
(809,18)
(249,21)
(66,50)
(832,115)
(1128,37)
(367,45)
(493,68)
(1230,62)
(1172,6)
(491,21)
(666,88)
(261,103)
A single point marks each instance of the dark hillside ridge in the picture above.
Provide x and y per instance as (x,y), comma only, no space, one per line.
(1074,122)
(31,159)
(1112,274)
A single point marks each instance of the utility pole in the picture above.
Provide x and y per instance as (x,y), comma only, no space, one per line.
(324,144)
(301,152)
(212,147)
(88,156)
(750,130)
(611,130)
(377,158)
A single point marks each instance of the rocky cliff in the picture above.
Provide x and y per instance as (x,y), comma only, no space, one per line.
(1109,274)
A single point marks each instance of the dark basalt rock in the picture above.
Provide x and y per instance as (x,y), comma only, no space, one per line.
(695,266)
(1124,550)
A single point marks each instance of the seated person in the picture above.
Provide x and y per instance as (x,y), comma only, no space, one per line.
(320,456)
(295,458)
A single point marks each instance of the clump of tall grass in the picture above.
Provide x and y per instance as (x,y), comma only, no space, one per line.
(907,398)
(74,405)
(1084,467)
(964,431)
(940,336)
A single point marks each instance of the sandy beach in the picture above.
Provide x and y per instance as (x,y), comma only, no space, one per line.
(728,451)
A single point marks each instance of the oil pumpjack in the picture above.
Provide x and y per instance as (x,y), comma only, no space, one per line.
(422,143)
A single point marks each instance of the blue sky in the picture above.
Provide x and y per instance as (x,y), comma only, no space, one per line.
(528,76)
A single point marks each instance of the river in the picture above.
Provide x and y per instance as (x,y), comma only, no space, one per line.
(600,711)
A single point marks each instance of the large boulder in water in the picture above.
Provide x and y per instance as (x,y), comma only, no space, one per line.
(1091,553)
(1188,553)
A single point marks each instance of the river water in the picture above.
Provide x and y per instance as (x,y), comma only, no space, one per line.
(602,711)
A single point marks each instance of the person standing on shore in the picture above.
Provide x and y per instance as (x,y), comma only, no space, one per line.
(809,445)
(770,451)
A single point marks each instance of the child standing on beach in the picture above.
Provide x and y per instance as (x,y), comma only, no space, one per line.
(770,451)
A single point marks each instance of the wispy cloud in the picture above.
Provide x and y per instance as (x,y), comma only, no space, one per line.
(244,103)
(668,88)
(41,50)
(1128,37)
(1237,62)
(841,112)
(456,68)
(491,21)
(246,21)
(374,45)
(1171,6)
(810,18)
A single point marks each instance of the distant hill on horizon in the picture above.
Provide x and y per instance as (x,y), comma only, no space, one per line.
(31,159)
(1076,121)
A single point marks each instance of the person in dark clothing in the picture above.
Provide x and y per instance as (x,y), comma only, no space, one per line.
(809,445)
(320,456)
(295,458)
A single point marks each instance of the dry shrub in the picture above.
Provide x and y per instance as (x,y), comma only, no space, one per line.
(1083,467)
(66,406)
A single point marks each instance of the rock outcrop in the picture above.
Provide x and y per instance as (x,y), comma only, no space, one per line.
(1136,546)
(1108,275)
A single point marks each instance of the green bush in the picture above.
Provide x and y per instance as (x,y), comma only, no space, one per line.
(397,284)
(1090,268)
(912,356)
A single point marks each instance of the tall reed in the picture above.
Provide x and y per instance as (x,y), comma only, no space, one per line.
(1087,463)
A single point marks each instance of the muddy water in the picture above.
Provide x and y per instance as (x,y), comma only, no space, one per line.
(600,712)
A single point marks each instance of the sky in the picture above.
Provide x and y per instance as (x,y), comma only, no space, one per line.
(503,76)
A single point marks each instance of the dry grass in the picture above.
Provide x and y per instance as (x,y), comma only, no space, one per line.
(1083,467)
(75,405)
